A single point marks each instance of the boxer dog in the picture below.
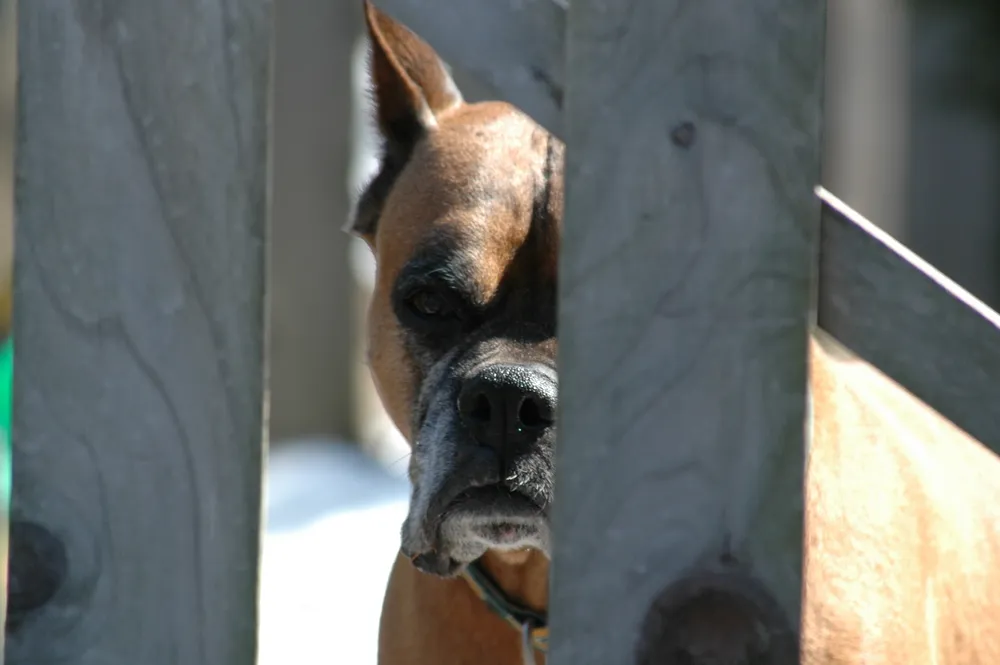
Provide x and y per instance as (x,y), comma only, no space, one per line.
(464,215)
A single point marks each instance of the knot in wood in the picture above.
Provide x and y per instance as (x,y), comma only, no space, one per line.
(716,619)
(38,568)
(683,135)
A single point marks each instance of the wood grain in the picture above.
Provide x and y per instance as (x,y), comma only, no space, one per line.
(140,264)
(693,134)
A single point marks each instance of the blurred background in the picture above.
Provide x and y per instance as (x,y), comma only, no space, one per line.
(912,142)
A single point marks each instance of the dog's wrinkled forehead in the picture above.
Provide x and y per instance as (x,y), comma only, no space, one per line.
(481,190)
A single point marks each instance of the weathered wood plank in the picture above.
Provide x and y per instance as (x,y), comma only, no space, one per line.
(141,199)
(693,134)
(515,48)
(904,317)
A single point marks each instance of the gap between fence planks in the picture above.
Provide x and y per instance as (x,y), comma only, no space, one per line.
(140,268)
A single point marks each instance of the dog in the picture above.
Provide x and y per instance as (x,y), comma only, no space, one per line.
(902,549)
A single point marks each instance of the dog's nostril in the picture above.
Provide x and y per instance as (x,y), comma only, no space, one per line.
(530,414)
(507,406)
(481,409)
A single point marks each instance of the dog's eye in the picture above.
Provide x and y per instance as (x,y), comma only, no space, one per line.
(429,305)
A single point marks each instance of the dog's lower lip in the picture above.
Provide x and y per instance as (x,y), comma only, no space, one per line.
(486,502)
(503,532)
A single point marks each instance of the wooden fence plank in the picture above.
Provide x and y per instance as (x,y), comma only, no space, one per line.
(141,199)
(693,141)
(907,319)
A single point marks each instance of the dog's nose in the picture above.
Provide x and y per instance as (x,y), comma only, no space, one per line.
(508,406)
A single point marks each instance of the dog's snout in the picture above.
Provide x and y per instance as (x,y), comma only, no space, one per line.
(508,406)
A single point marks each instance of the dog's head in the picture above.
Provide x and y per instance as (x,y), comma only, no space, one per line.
(463,217)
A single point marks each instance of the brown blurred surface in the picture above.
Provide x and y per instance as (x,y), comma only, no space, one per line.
(310,284)
(7,78)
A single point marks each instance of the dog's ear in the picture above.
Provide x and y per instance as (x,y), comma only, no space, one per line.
(411,84)
(411,88)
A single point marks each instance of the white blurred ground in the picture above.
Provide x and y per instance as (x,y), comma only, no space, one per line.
(333,519)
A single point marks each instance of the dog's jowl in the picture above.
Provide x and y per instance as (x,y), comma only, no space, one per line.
(464,218)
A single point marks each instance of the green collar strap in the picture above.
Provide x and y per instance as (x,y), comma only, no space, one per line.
(533,626)
(6,387)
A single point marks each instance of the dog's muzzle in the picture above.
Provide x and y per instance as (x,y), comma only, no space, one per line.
(485,467)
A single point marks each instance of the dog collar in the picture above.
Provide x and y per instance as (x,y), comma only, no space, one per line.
(532,626)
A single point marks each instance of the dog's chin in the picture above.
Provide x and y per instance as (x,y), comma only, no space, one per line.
(482,519)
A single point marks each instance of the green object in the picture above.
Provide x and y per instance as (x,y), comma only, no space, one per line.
(6,387)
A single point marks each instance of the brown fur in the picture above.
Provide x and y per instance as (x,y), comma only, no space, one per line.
(903,526)
(431,620)
(903,508)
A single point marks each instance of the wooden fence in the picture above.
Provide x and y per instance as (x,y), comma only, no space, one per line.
(142,197)
(689,273)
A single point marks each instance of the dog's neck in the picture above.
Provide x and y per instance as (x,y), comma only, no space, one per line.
(523,575)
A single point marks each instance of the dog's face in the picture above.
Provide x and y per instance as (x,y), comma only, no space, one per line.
(463,217)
